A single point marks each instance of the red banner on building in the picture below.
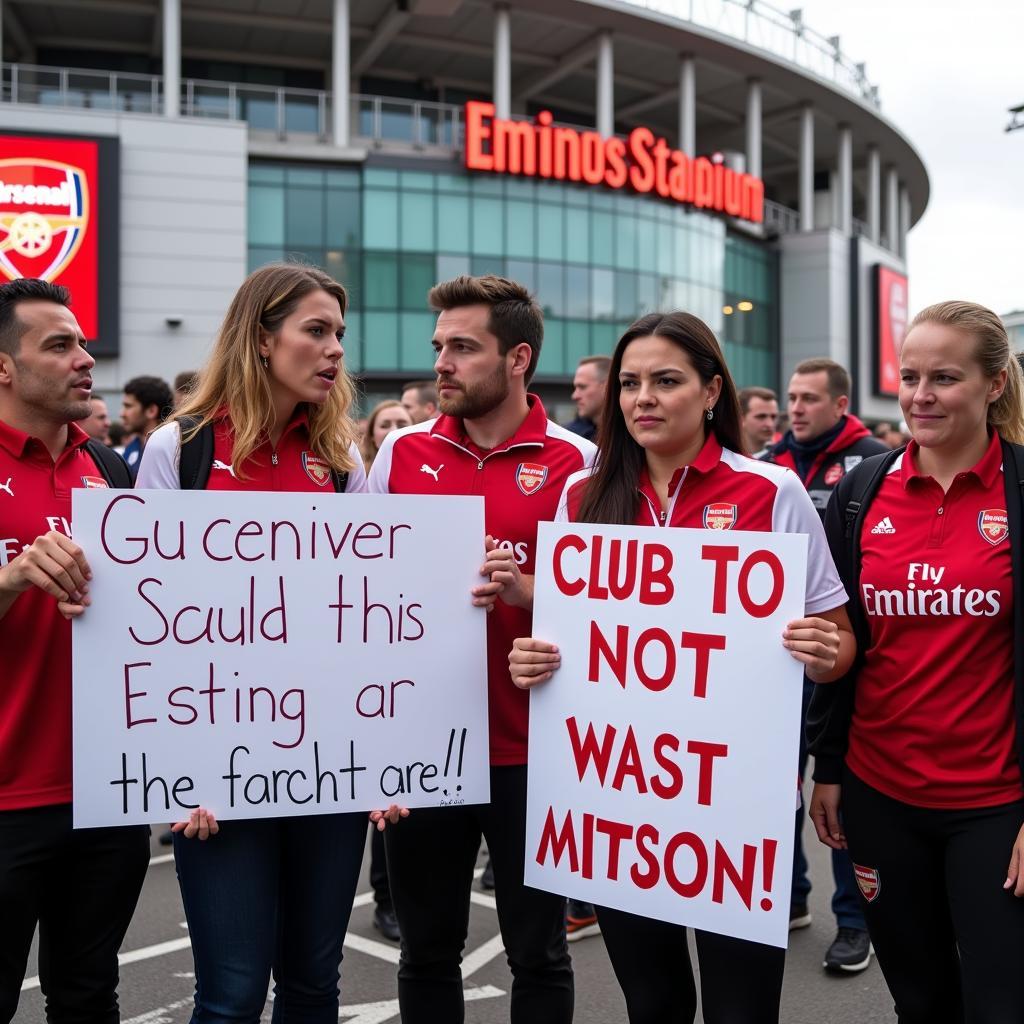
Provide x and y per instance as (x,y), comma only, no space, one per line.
(54,221)
(890,327)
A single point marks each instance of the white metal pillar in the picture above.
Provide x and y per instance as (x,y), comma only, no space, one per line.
(844,179)
(892,209)
(1,40)
(904,219)
(754,127)
(340,64)
(874,204)
(172,57)
(502,92)
(807,168)
(688,105)
(605,85)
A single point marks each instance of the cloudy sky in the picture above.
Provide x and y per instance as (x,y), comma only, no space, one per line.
(947,72)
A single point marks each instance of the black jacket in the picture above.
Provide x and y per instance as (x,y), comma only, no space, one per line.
(828,719)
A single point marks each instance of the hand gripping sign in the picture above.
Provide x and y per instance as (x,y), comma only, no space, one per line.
(277,654)
(663,752)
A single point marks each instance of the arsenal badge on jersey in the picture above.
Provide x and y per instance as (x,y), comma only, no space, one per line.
(530,477)
(316,468)
(93,481)
(993,524)
(719,516)
(833,475)
(868,881)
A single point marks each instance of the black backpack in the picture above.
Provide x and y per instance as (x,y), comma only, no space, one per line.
(114,469)
(196,458)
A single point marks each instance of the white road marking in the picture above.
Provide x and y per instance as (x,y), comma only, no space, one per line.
(159,1015)
(131,957)
(386,1009)
(481,956)
(372,947)
(163,858)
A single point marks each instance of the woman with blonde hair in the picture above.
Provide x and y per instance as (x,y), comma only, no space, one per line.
(386,416)
(270,895)
(921,744)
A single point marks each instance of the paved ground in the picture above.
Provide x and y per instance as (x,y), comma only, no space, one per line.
(157,979)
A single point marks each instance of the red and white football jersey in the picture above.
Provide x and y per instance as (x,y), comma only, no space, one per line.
(721,490)
(520,481)
(933,723)
(35,639)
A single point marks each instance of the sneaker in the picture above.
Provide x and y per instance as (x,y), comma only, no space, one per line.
(799,916)
(166,837)
(386,923)
(850,951)
(580,921)
(487,878)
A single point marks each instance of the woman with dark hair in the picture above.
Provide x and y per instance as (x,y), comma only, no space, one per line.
(669,453)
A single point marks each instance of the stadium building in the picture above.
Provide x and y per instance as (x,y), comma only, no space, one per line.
(717,156)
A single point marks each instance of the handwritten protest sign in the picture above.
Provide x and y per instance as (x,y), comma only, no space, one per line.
(277,654)
(663,752)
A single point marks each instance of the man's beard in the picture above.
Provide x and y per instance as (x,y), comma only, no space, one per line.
(479,399)
(39,392)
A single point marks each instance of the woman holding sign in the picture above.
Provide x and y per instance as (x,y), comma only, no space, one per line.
(669,445)
(270,413)
(922,744)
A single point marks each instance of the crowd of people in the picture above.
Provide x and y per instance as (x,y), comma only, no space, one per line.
(911,643)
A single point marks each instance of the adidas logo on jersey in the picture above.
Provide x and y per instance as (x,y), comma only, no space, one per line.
(884,526)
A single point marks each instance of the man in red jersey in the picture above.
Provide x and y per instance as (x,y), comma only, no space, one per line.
(825,441)
(492,439)
(79,887)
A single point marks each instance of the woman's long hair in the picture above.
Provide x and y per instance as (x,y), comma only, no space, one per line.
(611,493)
(993,353)
(368,447)
(235,379)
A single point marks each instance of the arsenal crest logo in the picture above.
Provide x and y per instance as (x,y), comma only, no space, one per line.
(93,481)
(720,516)
(530,477)
(868,881)
(993,524)
(316,469)
(833,475)
(44,215)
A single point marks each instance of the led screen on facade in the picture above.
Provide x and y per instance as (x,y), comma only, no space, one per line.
(890,326)
(59,222)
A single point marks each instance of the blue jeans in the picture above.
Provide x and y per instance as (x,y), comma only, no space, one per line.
(270,895)
(845,899)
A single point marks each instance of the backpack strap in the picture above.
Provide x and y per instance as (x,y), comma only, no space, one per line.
(340,481)
(114,469)
(865,487)
(196,455)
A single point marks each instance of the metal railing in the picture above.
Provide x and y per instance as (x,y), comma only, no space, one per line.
(782,33)
(779,219)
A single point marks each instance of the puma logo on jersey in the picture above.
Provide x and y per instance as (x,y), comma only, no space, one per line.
(883,526)
(217,464)
(7,486)
(433,472)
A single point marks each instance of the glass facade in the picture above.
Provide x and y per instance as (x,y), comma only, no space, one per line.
(596,260)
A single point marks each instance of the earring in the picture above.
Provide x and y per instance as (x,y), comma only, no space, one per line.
(711,414)
(266,364)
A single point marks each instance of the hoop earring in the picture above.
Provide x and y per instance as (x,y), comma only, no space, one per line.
(266,364)
(711,414)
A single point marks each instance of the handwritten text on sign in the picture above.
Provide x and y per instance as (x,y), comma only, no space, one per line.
(663,752)
(277,654)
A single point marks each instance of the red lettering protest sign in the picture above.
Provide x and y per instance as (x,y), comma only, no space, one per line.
(663,752)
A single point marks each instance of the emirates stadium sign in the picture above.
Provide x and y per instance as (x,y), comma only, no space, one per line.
(642,161)
(58,222)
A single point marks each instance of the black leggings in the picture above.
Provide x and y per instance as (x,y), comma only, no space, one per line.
(740,982)
(431,856)
(949,938)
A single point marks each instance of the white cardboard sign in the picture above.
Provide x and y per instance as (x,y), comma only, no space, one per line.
(663,752)
(277,654)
